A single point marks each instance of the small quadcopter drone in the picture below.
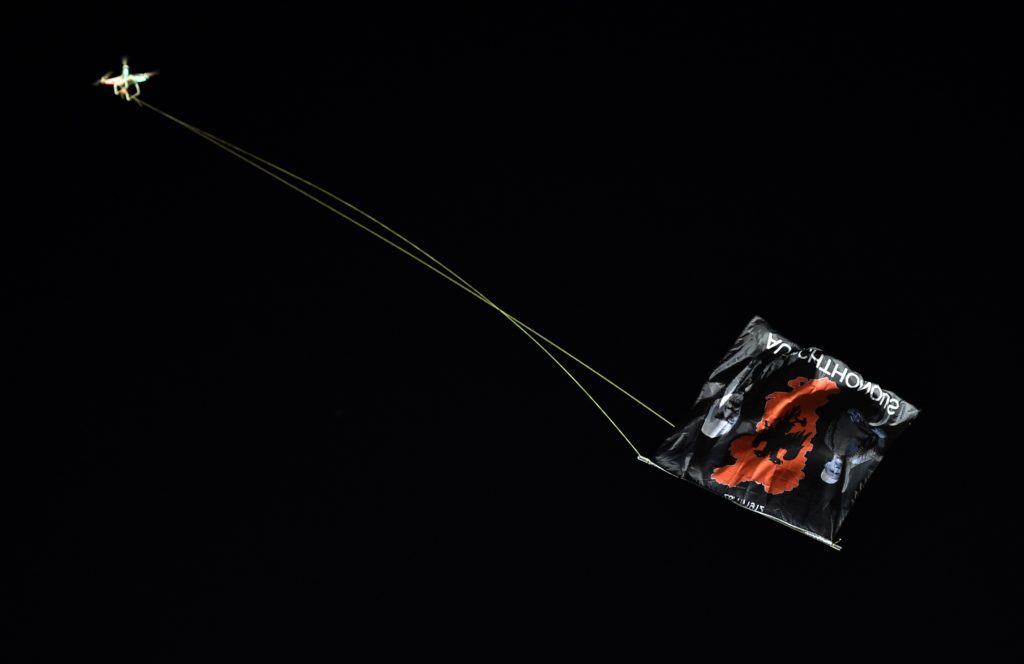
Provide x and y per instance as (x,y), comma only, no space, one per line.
(124,83)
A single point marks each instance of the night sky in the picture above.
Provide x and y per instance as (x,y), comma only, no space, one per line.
(239,425)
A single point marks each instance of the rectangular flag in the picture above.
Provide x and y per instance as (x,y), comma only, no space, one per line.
(786,431)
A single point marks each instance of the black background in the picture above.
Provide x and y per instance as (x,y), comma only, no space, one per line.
(240,425)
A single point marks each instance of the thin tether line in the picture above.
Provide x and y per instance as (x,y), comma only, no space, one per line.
(447,273)
(439,264)
(419,249)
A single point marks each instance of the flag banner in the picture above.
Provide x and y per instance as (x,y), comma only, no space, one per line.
(786,431)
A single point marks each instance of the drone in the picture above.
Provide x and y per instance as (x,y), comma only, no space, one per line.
(124,83)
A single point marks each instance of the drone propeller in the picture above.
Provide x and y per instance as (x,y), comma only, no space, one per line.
(103,78)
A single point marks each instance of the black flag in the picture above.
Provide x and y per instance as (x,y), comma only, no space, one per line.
(786,431)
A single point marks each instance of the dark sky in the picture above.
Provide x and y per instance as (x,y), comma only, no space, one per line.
(242,424)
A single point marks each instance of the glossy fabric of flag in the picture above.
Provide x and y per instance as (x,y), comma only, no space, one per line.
(786,431)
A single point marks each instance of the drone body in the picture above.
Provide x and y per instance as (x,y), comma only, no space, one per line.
(124,82)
